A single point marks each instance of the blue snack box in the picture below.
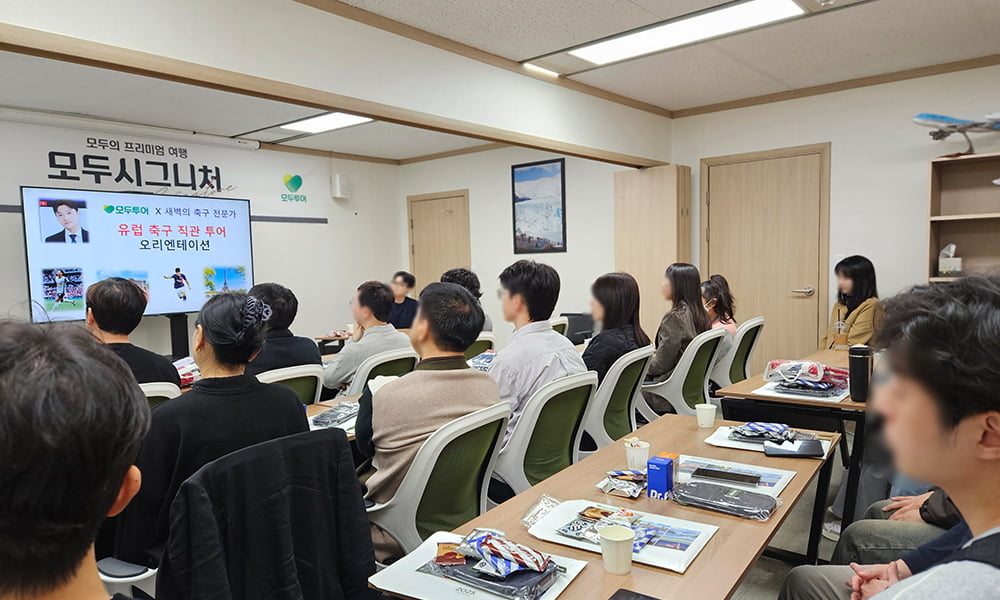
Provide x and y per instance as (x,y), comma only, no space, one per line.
(659,477)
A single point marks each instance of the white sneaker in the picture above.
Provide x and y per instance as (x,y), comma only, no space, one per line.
(831,530)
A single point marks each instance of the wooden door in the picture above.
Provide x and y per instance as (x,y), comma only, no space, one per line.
(767,232)
(439,235)
(652,230)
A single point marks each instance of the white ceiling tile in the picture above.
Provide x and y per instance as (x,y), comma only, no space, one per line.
(685,77)
(516,29)
(669,9)
(44,84)
(385,140)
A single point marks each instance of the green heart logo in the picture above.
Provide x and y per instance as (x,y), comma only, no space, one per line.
(109,209)
(293,182)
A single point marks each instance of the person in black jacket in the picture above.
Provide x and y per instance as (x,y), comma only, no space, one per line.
(616,305)
(114,309)
(281,348)
(71,421)
(226,411)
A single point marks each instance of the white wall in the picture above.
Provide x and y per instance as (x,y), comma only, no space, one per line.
(879,163)
(322,263)
(589,220)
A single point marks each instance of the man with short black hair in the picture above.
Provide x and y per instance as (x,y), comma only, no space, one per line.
(941,411)
(372,335)
(282,348)
(68,214)
(404,308)
(440,389)
(114,309)
(536,354)
(71,422)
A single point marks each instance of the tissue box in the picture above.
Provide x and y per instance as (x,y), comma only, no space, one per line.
(659,477)
(949,266)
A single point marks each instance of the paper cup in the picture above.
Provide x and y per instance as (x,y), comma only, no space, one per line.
(636,457)
(349,328)
(616,548)
(706,415)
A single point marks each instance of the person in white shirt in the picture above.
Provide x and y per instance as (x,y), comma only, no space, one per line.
(370,308)
(536,354)
(941,414)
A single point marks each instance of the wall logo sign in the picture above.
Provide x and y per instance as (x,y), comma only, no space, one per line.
(292,184)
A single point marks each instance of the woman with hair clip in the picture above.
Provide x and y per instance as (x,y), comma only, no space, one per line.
(615,304)
(685,320)
(226,410)
(856,312)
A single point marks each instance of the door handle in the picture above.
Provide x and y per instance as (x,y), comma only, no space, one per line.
(808,291)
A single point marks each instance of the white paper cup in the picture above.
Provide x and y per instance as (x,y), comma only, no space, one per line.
(349,328)
(616,548)
(636,457)
(706,415)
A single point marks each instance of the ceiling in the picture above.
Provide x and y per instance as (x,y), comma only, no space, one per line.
(34,83)
(847,42)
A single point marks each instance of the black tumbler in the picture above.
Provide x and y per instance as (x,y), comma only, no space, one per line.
(860,365)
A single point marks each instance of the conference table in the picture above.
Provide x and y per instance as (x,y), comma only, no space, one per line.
(717,570)
(324,341)
(321,407)
(742,402)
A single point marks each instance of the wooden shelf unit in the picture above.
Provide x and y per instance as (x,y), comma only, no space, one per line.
(965,211)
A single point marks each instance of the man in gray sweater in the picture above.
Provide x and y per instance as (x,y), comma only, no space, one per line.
(405,412)
(941,411)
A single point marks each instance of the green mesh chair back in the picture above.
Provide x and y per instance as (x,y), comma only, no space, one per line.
(393,368)
(693,389)
(560,328)
(738,370)
(304,387)
(553,440)
(478,347)
(155,401)
(618,416)
(455,487)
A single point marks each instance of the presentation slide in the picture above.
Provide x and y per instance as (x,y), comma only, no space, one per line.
(179,249)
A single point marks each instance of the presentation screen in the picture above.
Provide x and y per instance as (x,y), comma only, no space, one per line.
(180,250)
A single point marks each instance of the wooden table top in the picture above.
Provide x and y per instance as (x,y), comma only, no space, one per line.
(332,338)
(719,567)
(831,358)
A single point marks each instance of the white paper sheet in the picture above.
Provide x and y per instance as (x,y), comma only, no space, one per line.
(721,439)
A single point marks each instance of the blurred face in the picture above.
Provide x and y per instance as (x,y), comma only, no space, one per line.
(668,290)
(710,308)
(510,305)
(845,284)
(68,217)
(359,313)
(922,446)
(399,287)
(596,310)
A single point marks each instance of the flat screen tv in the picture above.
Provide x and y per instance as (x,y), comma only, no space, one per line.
(180,250)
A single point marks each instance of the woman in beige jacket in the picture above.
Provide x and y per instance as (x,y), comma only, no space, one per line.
(857,303)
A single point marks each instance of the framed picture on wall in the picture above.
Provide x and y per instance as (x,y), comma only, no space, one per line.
(539,197)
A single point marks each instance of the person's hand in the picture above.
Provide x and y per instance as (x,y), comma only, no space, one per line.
(359,331)
(870,580)
(907,507)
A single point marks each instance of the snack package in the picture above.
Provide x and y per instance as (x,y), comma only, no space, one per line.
(539,509)
(581,529)
(447,555)
(724,499)
(758,433)
(622,489)
(522,585)
(497,565)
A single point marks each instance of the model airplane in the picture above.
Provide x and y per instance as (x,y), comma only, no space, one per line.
(944,126)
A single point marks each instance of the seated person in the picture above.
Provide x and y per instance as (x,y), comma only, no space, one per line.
(71,422)
(225,411)
(114,310)
(615,304)
(536,354)
(441,389)
(404,308)
(469,281)
(721,308)
(941,418)
(281,348)
(685,320)
(856,311)
(373,335)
